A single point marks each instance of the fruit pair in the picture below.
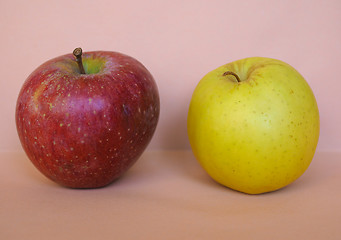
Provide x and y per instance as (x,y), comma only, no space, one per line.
(253,124)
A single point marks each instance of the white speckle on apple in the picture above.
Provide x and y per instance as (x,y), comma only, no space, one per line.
(79,129)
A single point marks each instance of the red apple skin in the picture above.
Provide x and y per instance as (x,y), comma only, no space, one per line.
(86,130)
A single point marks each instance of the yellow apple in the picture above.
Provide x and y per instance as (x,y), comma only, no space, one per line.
(253,124)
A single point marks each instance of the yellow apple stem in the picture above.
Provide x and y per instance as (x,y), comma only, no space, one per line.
(232,73)
(78,54)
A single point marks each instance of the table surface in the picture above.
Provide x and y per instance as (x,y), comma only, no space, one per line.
(166,195)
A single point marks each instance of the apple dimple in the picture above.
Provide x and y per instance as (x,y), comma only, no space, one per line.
(93,65)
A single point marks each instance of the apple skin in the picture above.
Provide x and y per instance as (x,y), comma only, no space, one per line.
(257,135)
(86,130)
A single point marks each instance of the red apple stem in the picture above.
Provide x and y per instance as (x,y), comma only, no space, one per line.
(232,73)
(78,54)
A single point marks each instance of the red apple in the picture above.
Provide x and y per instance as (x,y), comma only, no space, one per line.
(83,127)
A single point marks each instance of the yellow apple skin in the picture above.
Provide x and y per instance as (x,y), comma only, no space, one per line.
(257,135)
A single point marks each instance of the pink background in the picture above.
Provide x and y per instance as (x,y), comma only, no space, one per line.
(167,195)
(179,42)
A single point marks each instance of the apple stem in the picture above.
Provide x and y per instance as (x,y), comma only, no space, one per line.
(232,73)
(78,54)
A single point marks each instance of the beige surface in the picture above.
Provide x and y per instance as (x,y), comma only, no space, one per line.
(166,195)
